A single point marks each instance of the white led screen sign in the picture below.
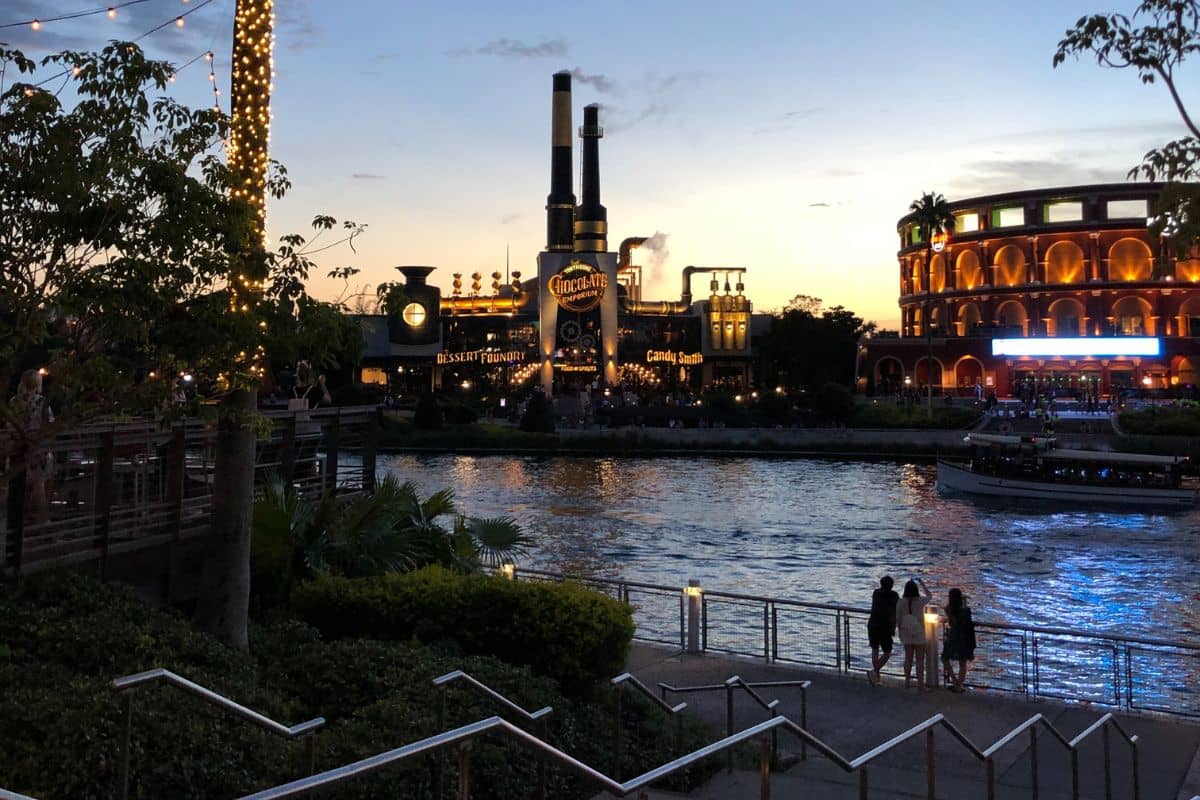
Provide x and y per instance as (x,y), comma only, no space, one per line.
(1089,346)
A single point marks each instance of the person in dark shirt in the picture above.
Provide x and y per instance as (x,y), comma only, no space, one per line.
(881,625)
(960,640)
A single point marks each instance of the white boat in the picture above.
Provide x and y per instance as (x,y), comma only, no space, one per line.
(1033,467)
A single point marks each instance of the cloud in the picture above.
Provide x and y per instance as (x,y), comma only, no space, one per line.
(512,48)
(367,176)
(819,205)
(842,173)
(599,82)
(805,112)
(508,219)
(296,29)
(993,176)
(653,99)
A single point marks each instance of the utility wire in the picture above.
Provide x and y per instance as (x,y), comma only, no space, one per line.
(74,15)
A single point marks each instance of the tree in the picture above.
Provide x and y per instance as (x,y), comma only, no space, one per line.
(931,213)
(1153,41)
(807,347)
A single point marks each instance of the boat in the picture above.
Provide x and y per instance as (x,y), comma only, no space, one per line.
(1034,467)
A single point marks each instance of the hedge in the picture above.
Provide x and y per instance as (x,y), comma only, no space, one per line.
(562,630)
(63,638)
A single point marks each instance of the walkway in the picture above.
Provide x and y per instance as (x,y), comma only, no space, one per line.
(852,716)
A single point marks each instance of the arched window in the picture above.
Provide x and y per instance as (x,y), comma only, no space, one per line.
(1064,263)
(1130,260)
(1067,318)
(1010,266)
(937,273)
(969,273)
(1131,317)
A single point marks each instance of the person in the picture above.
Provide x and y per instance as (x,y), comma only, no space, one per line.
(910,623)
(960,639)
(34,412)
(881,626)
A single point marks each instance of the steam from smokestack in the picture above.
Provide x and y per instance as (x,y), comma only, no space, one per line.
(654,254)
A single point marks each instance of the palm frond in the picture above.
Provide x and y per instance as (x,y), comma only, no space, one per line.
(497,539)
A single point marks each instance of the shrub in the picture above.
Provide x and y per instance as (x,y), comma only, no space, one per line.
(564,631)
(885,414)
(1162,421)
(539,415)
(459,414)
(427,416)
(834,402)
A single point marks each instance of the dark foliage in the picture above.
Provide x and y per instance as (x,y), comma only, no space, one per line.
(539,415)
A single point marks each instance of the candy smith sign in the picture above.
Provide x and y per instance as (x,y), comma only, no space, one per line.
(578,287)
(672,357)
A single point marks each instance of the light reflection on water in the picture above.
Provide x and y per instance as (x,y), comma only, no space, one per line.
(824,531)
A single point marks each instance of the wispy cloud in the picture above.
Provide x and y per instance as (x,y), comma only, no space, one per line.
(509,219)
(842,173)
(513,48)
(652,99)
(367,176)
(297,27)
(819,205)
(992,176)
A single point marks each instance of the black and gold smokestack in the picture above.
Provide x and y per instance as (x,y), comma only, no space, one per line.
(591,220)
(560,204)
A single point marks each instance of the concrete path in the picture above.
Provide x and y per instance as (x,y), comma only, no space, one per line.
(853,717)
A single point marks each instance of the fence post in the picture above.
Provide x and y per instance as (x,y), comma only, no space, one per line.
(804,722)
(464,771)
(174,470)
(837,637)
(1137,780)
(617,740)
(287,451)
(929,774)
(728,724)
(991,780)
(369,452)
(1107,765)
(329,479)
(126,745)
(1074,774)
(774,632)
(764,776)
(104,485)
(864,784)
(1033,761)
(767,632)
(694,598)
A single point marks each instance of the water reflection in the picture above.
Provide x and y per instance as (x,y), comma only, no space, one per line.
(826,530)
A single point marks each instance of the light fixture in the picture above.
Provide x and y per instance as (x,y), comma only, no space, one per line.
(693,589)
(179,22)
(508,570)
(36,24)
(112,13)
(931,615)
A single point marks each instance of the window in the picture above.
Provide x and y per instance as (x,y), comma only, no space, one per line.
(1065,211)
(1130,325)
(413,315)
(1127,209)
(1009,217)
(966,222)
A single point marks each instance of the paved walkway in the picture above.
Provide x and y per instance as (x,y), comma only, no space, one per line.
(853,717)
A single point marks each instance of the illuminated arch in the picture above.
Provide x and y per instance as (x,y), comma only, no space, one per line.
(937,273)
(1067,317)
(1064,263)
(1012,312)
(1185,370)
(1188,270)
(969,273)
(920,371)
(968,371)
(889,375)
(1189,310)
(918,283)
(936,312)
(1130,260)
(918,321)
(969,317)
(1131,316)
(1010,266)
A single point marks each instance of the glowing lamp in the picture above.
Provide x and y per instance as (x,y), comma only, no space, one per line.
(43,372)
(508,570)
(1146,381)
(908,380)
(693,589)
(931,615)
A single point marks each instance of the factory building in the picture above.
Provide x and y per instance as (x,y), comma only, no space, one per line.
(1055,291)
(579,321)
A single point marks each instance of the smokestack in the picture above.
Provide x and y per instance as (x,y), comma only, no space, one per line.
(560,203)
(591,219)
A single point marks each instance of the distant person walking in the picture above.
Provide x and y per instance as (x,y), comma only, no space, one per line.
(910,623)
(960,639)
(881,626)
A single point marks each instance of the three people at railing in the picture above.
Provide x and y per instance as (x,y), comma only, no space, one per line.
(905,615)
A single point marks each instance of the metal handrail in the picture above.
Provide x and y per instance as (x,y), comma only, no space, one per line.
(467,732)
(5,794)
(124,683)
(626,678)
(458,675)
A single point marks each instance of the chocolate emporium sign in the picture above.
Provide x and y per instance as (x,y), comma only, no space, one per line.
(578,287)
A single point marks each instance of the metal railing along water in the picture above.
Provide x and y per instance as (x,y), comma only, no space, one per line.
(461,737)
(1131,672)
(128,682)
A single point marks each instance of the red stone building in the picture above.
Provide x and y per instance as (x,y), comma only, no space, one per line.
(1062,265)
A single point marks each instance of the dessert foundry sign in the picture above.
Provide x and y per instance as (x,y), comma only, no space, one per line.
(578,287)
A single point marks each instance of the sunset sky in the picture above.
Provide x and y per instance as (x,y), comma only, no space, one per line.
(784,137)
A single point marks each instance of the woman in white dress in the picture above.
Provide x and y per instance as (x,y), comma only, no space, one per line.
(910,624)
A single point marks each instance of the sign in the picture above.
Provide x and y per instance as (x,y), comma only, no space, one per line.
(1062,347)
(672,357)
(938,240)
(578,287)
(481,357)
(576,367)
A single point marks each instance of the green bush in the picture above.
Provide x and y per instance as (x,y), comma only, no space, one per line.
(65,637)
(563,630)
(427,416)
(459,414)
(1162,421)
(885,414)
(539,415)
(834,403)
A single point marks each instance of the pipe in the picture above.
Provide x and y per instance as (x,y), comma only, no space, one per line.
(560,203)
(684,304)
(494,304)
(625,252)
(591,218)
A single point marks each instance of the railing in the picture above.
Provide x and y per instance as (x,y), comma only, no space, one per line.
(463,735)
(5,794)
(1135,673)
(676,711)
(125,487)
(128,682)
(442,682)
(735,682)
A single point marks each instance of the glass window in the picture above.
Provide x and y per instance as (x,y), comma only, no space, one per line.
(1130,325)
(1127,209)
(1065,211)
(1009,217)
(966,222)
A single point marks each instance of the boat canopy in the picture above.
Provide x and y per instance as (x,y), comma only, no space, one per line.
(1045,445)
(1010,439)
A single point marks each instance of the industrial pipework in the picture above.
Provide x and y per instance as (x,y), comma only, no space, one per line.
(684,304)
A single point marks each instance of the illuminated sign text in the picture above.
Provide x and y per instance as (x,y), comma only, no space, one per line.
(578,287)
(671,357)
(480,357)
(1081,346)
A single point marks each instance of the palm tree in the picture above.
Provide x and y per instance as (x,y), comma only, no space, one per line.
(931,213)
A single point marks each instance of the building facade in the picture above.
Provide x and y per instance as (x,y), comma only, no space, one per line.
(1060,290)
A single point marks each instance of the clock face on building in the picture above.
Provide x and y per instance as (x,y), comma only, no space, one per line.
(413,315)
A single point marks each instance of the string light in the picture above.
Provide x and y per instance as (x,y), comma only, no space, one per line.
(36,24)
(179,22)
(110,11)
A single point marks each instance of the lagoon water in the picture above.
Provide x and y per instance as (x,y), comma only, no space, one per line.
(825,530)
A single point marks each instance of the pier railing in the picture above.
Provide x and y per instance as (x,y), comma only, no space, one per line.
(125,487)
(1130,672)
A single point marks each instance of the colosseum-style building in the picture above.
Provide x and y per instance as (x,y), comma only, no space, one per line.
(1061,289)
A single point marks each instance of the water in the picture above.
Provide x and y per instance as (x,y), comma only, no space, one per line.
(825,530)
